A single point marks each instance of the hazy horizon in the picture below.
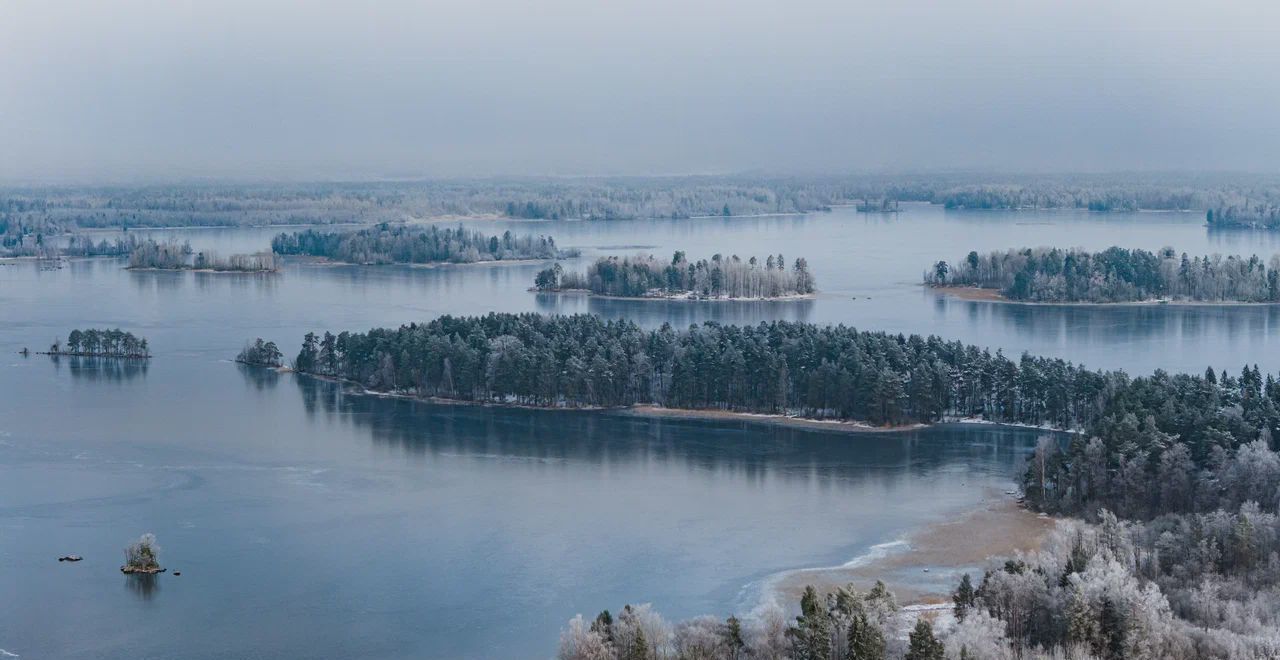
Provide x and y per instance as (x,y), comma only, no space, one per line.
(243,91)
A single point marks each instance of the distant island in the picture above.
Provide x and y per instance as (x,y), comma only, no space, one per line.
(1114,275)
(405,244)
(720,278)
(102,343)
(153,255)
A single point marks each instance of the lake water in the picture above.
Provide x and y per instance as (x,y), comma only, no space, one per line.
(312,522)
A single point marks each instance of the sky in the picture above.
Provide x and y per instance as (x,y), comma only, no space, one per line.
(164,90)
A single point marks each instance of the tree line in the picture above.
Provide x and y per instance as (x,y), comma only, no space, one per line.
(172,255)
(646,276)
(404,244)
(1113,275)
(29,212)
(102,343)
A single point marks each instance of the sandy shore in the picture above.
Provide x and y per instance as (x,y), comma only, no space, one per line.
(999,526)
(970,293)
(761,418)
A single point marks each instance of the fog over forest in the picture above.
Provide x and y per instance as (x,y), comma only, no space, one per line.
(131,91)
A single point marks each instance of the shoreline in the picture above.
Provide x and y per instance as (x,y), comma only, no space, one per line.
(149,269)
(648,410)
(769,419)
(923,567)
(979,294)
(325,261)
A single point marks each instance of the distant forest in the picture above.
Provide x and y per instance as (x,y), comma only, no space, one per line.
(645,276)
(1113,275)
(407,244)
(29,214)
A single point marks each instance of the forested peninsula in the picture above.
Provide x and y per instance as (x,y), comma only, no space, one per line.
(644,276)
(1175,476)
(404,244)
(1114,275)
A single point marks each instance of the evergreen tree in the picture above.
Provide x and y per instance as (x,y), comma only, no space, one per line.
(964,597)
(922,644)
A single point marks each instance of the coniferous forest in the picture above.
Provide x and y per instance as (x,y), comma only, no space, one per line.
(1113,275)
(644,276)
(405,244)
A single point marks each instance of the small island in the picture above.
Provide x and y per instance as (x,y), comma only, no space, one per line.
(142,557)
(114,343)
(261,354)
(153,255)
(1114,275)
(405,244)
(720,278)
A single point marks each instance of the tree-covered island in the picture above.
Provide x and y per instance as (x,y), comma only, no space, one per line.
(720,278)
(142,556)
(1114,275)
(406,244)
(112,343)
(260,354)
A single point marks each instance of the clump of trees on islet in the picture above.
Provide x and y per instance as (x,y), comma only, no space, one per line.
(644,276)
(114,343)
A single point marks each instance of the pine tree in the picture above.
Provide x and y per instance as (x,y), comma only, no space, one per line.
(964,597)
(1082,628)
(810,636)
(733,640)
(1111,629)
(922,644)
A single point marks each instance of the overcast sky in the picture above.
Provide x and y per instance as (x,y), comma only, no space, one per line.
(267,89)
